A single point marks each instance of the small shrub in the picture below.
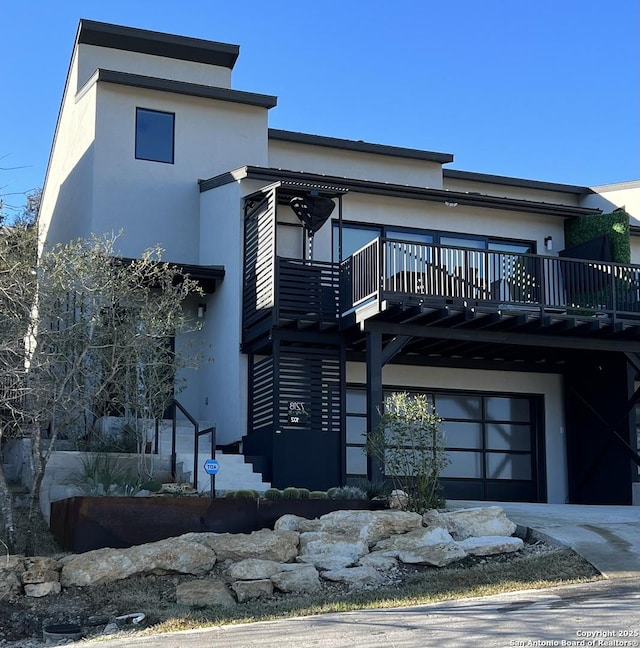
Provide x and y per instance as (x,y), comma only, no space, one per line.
(373,489)
(273,494)
(317,495)
(230,494)
(410,444)
(290,493)
(247,494)
(304,493)
(347,492)
(151,485)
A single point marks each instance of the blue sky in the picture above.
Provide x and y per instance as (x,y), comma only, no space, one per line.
(546,90)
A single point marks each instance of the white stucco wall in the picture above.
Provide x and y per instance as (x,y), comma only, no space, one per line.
(353,164)
(383,210)
(93,57)
(624,195)
(155,202)
(68,191)
(223,381)
(548,385)
(509,191)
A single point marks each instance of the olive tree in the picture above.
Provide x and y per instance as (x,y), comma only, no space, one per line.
(99,343)
(17,293)
(410,444)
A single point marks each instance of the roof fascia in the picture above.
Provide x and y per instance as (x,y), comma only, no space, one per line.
(143,41)
(180,87)
(359,146)
(399,191)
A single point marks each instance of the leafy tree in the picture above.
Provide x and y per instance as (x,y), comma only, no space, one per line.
(17,292)
(99,344)
(410,444)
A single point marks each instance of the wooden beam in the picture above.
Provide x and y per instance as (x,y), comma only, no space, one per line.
(499,337)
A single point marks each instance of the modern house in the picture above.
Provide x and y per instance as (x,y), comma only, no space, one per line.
(339,271)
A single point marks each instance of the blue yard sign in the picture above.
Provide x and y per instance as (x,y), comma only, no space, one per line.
(211,466)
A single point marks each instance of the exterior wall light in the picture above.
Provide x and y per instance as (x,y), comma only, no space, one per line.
(548,243)
(202,309)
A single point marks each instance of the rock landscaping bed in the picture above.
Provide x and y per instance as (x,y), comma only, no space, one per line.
(335,556)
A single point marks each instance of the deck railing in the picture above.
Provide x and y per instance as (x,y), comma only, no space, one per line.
(386,268)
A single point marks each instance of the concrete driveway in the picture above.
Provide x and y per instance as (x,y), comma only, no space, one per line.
(607,536)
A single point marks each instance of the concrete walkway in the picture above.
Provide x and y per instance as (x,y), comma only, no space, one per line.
(607,536)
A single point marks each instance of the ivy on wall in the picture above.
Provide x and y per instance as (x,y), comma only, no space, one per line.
(615,225)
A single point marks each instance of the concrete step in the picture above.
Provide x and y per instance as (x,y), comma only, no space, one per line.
(234,474)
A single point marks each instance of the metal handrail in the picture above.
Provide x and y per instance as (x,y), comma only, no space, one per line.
(474,276)
(196,439)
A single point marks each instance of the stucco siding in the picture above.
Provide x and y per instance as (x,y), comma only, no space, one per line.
(156,202)
(353,164)
(223,381)
(93,57)
(67,201)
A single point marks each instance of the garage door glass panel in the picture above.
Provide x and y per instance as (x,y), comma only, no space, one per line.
(463,464)
(462,434)
(458,407)
(508,409)
(508,466)
(504,436)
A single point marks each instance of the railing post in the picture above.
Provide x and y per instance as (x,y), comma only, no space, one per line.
(380,259)
(196,444)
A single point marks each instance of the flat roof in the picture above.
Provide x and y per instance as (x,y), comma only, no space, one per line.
(359,146)
(131,39)
(180,87)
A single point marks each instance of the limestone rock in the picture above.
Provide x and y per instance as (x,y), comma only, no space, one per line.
(174,555)
(423,537)
(490,545)
(378,560)
(265,544)
(9,585)
(38,590)
(33,576)
(472,522)
(291,522)
(12,563)
(99,566)
(370,526)
(252,589)
(333,552)
(297,578)
(398,499)
(355,577)
(437,555)
(41,562)
(254,569)
(204,593)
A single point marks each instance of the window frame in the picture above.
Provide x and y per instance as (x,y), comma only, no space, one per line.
(140,156)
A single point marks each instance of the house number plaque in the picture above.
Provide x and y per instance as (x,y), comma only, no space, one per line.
(297,413)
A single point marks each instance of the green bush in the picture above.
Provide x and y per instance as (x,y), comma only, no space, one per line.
(317,495)
(410,444)
(582,229)
(151,485)
(247,494)
(347,492)
(273,494)
(291,493)
(331,492)
(230,494)
(304,493)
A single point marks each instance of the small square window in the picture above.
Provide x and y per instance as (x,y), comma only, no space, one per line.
(154,135)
